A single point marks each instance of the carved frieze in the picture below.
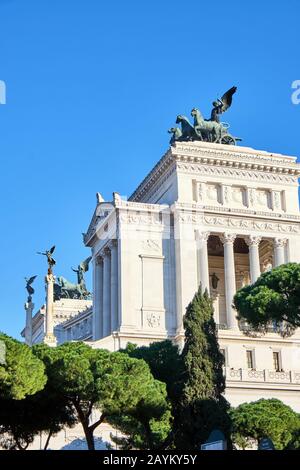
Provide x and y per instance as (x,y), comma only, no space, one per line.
(241,174)
(238,223)
(141,219)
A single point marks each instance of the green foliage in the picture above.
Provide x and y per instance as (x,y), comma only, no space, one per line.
(166,365)
(164,360)
(275,296)
(294,443)
(22,420)
(114,383)
(22,373)
(147,424)
(264,418)
(202,406)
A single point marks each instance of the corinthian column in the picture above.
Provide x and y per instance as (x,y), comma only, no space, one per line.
(106,293)
(49,337)
(114,285)
(253,244)
(229,270)
(279,244)
(202,238)
(98,299)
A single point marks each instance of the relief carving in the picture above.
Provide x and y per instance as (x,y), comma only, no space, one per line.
(153,319)
(150,245)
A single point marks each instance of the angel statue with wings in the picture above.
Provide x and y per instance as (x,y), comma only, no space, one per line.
(51,261)
(82,268)
(221,105)
(29,287)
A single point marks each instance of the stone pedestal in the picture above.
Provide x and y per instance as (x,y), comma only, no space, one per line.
(49,337)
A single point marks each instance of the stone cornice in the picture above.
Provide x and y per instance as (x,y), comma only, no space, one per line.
(235,153)
(77,317)
(214,169)
(212,210)
(217,155)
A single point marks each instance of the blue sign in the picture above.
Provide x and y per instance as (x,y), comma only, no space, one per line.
(266,444)
(215,441)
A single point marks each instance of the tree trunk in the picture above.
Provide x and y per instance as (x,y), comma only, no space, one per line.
(48,440)
(89,438)
(148,434)
(89,435)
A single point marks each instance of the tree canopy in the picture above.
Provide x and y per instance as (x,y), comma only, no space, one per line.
(274,297)
(147,424)
(164,360)
(271,418)
(113,383)
(21,373)
(22,420)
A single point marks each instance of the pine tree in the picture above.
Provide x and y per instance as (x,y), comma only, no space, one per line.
(202,406)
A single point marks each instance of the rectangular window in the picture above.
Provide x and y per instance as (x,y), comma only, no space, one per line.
(276,361)
(250,361)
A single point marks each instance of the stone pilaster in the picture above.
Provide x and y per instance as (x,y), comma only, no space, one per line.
(114,285)
(230,285)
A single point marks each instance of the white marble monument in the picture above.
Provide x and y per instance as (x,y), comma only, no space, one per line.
(210,214)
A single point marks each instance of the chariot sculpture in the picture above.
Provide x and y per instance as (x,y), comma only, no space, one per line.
(64,289)
(207,130)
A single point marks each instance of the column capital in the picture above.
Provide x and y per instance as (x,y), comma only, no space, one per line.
(202,236)
(228,238)
(113,244)
(252,240)
(280,242)
(29,306)
(49,278)
(98,260)
(106,251)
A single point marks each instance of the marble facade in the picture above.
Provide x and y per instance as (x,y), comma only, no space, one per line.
(206,213)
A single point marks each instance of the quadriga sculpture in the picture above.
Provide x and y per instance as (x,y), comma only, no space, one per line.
(208,130)
(66,289)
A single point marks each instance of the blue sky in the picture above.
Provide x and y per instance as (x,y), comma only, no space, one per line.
(92,88)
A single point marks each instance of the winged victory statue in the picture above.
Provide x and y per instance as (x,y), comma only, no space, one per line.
(29,288)
(51,261)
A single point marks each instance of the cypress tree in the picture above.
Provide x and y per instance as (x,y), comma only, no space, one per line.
(202,406)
